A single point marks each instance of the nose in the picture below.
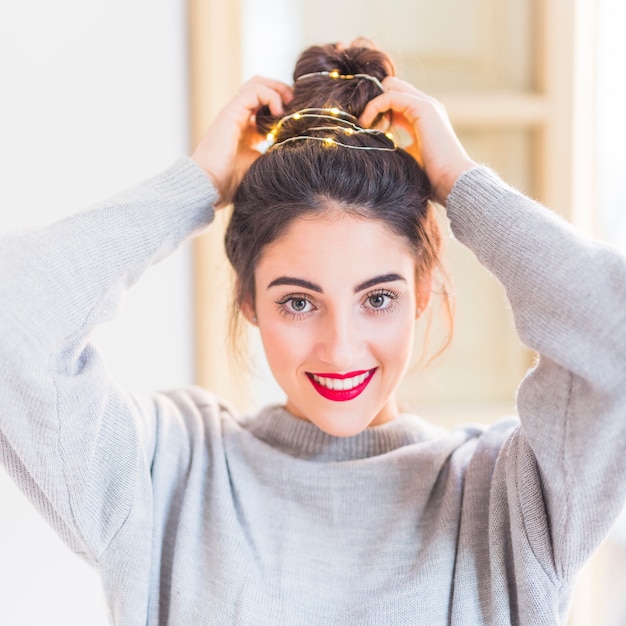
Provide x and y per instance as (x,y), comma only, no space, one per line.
(341,342)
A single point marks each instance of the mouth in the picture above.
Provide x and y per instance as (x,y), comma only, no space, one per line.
(341,387)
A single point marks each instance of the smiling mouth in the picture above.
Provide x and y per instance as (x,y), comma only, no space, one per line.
(341,387)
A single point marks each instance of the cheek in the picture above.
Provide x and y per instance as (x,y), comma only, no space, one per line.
(393,341)
(285,345)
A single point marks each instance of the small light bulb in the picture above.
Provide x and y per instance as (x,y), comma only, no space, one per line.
(334,74)
(297,116)
(329,140)
(349,131)
(389,136)
(335,111)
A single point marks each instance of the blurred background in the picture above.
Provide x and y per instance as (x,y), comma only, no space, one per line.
(99,94)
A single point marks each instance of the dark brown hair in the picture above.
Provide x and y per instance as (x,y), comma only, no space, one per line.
(305,178)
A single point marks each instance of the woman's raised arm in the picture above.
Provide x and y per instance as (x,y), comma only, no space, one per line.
(567,293)
(78,446)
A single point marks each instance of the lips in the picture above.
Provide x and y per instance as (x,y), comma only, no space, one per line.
(341,387)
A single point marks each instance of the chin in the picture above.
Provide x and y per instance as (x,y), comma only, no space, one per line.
(339,419)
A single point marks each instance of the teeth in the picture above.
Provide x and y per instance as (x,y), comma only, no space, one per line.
(340,384)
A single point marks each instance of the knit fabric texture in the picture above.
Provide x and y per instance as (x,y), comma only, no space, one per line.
(195,515)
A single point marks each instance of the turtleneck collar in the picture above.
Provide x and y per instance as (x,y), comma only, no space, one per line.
(302,439)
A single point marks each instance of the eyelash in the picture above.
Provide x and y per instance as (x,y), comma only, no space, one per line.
(294,315)
(392,295)
(289,314)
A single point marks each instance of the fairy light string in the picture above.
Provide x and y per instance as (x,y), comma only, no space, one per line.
(331,141)
(337,75)
(342,122)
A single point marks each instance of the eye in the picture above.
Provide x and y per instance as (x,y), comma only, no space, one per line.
(298,304)
(295,306)
(377,301)
(380,301)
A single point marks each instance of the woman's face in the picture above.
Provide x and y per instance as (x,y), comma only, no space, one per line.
(336,302)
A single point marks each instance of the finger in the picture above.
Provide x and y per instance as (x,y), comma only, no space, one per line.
(397,97)
(277,85)
(284,91)
(276,104)
(393,83)
(250,98)
(406,104)
(374,108)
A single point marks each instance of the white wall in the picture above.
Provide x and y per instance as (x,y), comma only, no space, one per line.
(611,121)
(611,183)
(93,100)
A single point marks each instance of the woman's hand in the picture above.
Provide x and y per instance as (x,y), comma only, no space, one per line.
(227,149)
(435,145)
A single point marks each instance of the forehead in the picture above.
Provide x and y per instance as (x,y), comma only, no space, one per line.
(336,246)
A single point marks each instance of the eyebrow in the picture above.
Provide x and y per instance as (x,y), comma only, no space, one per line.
(297,282)
(370,282)
(384,278)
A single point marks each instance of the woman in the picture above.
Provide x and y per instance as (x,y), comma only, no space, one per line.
(335,509)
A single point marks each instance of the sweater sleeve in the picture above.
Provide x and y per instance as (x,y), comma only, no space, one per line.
(568,296)
(78,446)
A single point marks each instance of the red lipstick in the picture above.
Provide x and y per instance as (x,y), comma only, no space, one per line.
(323,383)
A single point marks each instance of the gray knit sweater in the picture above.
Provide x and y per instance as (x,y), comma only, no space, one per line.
(193,515)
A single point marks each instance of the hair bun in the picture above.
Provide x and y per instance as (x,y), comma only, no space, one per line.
(321,91)
(360,57)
